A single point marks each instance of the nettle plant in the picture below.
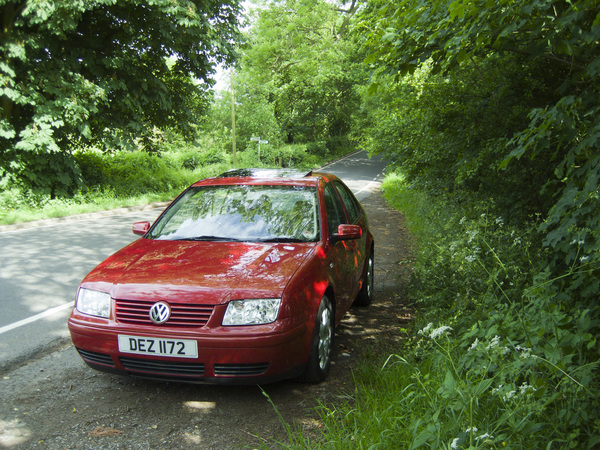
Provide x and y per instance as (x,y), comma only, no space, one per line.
(466,265)
(510,356)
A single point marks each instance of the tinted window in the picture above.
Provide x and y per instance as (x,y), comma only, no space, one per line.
(247,213)
(349,202)
(335,213)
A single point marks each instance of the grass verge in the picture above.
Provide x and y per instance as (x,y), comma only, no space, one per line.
(502,357)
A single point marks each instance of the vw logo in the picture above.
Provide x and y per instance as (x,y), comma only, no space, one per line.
(160,312)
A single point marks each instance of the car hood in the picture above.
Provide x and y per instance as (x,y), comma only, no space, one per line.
(202,272)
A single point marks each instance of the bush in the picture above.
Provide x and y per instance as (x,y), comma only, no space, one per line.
(132,178)
(502,334)
(504,358)
(130,173)
(194,158)
(340,145)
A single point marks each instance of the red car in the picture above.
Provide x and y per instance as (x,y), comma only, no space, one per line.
(242,279)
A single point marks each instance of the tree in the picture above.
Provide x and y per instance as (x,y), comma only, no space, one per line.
(298,62)
(491,108)
(101,72)
(554,47)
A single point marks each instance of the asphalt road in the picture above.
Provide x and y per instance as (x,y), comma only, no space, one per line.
(41,266)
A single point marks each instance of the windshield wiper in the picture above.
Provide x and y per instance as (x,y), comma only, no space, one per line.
(210,238)
(282,239)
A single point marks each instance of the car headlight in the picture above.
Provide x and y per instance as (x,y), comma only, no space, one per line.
(252,312)
(94,303)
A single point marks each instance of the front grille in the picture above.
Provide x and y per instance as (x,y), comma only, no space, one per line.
(240,370)
(182,314)
(181,369)
(96,358)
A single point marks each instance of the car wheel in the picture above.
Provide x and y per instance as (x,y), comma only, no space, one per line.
(365,296)
(321,348)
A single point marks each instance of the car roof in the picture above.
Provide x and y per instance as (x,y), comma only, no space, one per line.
(265,176)
(265,173)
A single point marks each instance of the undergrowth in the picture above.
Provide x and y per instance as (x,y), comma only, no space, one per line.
(136,178)
(506,355)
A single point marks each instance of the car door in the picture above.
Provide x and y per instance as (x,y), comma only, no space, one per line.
(342,253)
(354,213)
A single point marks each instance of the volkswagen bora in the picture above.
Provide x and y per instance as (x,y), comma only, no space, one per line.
(242,279)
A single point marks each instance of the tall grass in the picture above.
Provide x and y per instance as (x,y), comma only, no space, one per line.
(501,357)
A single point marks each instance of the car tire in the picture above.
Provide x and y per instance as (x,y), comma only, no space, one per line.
(365,295)
(321,348)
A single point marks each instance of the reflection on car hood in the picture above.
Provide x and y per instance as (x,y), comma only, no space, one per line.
(204,272)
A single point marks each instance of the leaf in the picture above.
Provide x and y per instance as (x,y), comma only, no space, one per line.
(593,68)
(483,386)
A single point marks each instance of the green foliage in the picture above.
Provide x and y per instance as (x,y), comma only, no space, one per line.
(448,134)
(101,72)
(490,109)
(137,178)
(501,360)
(496,103)
(255,117)
(401,35)
(132,173)
(296,81)
(515,324)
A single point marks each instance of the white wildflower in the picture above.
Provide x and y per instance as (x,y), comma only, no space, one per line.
(509,395)
(454,443)
(472,235)
(439,331)
(425,330)
(517,242)
(524,352)
(584,259)
(525,388)
(473,345)
(484,436)
(471,430)
(433,334)
(463,220)
(471,258)
(496,390)
(494,343)
(500,221)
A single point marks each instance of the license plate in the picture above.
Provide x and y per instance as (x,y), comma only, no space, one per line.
(178,348)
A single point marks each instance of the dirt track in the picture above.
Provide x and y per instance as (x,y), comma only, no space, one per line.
(57,402)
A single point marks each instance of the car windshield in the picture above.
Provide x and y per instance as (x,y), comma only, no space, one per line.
(255,213)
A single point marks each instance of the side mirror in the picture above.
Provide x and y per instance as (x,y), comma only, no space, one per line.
(347,232)
(141,228)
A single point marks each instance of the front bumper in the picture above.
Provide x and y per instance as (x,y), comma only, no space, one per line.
(234,357)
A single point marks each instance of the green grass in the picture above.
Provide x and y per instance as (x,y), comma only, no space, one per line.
(62,208)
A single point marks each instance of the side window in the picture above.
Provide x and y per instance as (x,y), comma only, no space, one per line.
(349,202)
(335,214)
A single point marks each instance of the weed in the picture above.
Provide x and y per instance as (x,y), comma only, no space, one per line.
(507,353)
